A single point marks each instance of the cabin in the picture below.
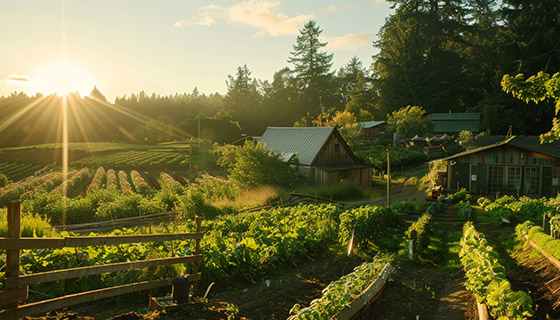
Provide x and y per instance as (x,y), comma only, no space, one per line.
(372,129)
(319,153)
(453,123)
(518,166)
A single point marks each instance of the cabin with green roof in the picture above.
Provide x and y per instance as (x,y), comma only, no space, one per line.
(515,166)
(319,153)
(453,123)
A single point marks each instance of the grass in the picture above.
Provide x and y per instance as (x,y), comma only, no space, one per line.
(31,225)
(249,198)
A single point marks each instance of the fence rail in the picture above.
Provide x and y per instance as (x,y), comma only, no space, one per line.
(17,286)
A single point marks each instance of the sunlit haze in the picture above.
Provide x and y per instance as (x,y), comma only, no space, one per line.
(168,47)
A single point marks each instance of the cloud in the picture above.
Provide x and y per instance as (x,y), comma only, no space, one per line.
(349,41)
(376,2)
(332,8)
(17,78)
(266,16)
(211,8)
(196,21)
(350,6)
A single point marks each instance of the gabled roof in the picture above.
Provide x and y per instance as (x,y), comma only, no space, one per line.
(305,141)
(527,143)
(455,116)
(371,124)
(456,122)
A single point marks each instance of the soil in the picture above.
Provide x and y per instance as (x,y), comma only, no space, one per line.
(300,284)
(418,292)
(536,276)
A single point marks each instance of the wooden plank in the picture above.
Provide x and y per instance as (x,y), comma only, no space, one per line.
(92,270)
(14,232)
(43,243)
(83,297)
(14,295)
(550,258)
(367,295)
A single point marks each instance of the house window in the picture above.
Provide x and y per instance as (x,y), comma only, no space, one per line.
(495,179)
(513,180)
(336,147)
(532,181)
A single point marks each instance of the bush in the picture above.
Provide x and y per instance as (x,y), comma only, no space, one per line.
(422,227)
(376,155)
(464,210)
(255,165)
(461,195)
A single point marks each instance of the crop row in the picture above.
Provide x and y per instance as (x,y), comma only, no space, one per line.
(46,183)
(340,293)
(239,247)
(487,278)
(16,171)
(135,158)
(536,234)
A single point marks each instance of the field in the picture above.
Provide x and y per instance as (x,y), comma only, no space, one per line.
(293,253)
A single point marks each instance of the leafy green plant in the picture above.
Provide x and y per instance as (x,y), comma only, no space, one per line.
(487,278)
(340,293)
(420,232)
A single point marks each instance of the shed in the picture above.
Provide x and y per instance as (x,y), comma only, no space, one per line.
(452,123)
(321,154)
(371,129)
(515,166)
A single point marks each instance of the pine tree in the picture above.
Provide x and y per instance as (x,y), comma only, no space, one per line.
(310,63)
(311,68)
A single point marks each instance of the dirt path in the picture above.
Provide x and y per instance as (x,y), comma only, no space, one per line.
(433,289)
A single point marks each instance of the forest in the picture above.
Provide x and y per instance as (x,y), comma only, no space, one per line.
(440,55)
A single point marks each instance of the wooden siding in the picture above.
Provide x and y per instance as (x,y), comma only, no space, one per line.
(507,156)
(361,176)
(329,154)
(373,132)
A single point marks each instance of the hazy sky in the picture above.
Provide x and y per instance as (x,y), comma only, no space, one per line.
(168,46)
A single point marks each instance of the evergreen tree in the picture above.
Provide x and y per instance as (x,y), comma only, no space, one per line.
(243,100)
(311,67)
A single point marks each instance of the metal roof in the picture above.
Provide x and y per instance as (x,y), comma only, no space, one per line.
(527,143)
(371,124)
(455,116)
(306,142)
(442,126)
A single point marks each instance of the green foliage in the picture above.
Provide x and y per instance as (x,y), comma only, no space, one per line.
(376,155)
(255,165)
(420,231)
(521,209)
(536,234)
(487,278)
(409,121)
(340,293)
(4,181)
(461,195)
(31,225)
(464,210)
(371,226)
(537,88)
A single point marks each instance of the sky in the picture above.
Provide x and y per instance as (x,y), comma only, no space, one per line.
(170,46)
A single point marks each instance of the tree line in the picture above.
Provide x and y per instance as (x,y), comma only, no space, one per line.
(446,55)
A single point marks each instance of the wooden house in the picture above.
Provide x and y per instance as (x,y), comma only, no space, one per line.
(320,154)
(372,129)
(515,166)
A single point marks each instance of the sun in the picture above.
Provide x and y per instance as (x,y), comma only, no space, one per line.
(63,78)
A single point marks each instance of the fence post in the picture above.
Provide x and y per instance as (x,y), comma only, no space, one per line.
(197,251)
(14,231)
(414,238)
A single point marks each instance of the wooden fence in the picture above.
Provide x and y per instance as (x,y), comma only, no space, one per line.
(16,286)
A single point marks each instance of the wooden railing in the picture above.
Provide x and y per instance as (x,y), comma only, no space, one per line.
(16,286)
